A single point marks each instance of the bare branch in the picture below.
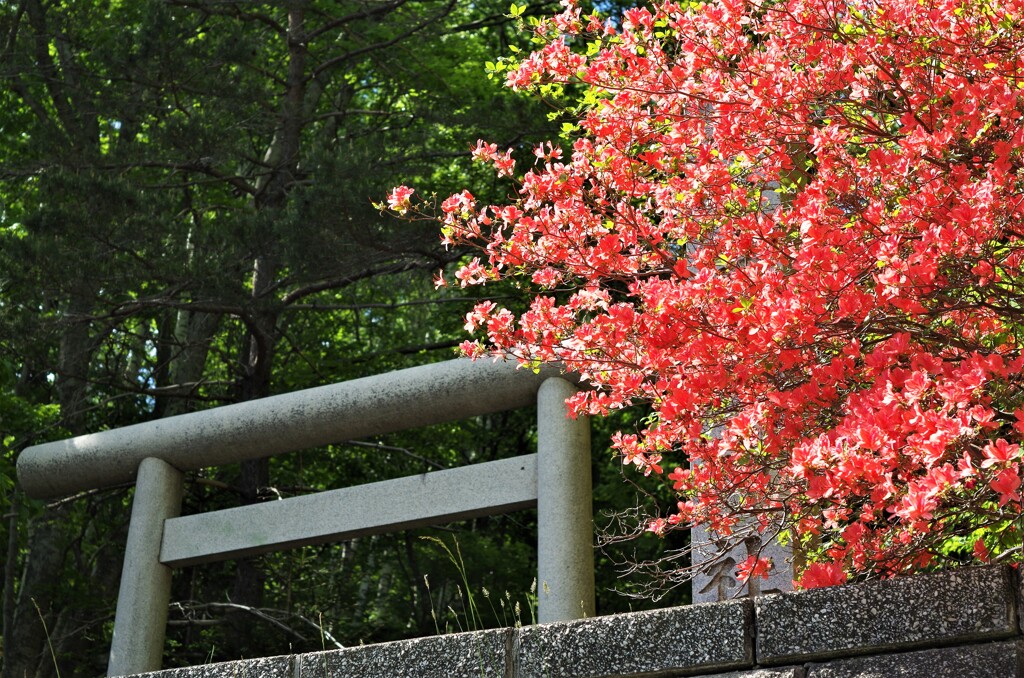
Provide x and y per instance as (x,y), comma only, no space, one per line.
(188,608)
(378,11)
(389,448)
(342,58)
(391,306)
(230,9)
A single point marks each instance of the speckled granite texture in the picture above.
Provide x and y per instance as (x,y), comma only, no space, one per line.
(462,655)
(962,624)
(267,667)
(787,672)
(661,642)
(960,606)
(991,660)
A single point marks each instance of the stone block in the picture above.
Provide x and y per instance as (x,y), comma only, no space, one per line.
(267,667)
(675,641)
(898,614)
(1020,601)
(991,660)
(432,498)
(479,654)
(787,672)
(720,583)
(717,582)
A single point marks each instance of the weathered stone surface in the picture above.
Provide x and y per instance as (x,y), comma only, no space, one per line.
(402,503)
(140,623)
(565,508)
(720,582)
(787,672)
(394,401)
(682,640)
(963,605)
(481,654)
(267,667)
(1020,601)
(957,625)
(991,660)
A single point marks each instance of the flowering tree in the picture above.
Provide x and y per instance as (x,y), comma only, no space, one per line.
(794,228)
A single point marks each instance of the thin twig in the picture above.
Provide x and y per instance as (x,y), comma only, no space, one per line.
(389,448)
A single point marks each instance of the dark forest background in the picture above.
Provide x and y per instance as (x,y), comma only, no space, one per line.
(186,222)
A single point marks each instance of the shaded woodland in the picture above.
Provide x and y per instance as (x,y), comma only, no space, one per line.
(186,222)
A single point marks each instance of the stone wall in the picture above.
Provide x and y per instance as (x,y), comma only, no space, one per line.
(960,624)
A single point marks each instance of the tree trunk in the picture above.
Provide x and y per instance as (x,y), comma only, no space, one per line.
(10,568)
(25,642)
(26,648)
(73,365)
(258,351)
(193,332)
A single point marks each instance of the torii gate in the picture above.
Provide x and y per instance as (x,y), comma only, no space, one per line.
(556,480)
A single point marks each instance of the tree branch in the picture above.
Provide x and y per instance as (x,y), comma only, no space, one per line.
(380,10)
(342,58)
(230,9)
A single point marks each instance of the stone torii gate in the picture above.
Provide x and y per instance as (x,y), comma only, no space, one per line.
(155,454)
